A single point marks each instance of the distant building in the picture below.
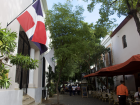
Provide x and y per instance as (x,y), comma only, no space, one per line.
(107,57)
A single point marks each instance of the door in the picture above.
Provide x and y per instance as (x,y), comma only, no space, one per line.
(22,75)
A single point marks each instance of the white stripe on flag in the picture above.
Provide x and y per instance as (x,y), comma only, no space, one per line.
(36,18)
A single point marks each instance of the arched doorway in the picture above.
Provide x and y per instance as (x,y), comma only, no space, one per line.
(22,75)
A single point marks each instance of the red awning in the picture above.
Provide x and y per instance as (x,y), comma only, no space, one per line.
(103,74)
(130,66)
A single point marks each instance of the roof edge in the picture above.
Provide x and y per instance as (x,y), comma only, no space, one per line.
(121,25)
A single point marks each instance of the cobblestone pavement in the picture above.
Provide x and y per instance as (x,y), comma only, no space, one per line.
(75,100)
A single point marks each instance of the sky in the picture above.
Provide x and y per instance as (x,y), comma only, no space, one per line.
(88,17)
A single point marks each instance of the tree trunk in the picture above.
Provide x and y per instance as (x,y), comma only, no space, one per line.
(49,79)
(57,92)
(89,78)
(136,19)
(57,86)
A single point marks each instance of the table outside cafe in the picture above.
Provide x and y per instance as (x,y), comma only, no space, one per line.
(129,67)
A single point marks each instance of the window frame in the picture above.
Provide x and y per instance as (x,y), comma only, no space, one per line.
(124,41)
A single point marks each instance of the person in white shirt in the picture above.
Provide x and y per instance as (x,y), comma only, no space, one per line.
(73,89)
(137,94)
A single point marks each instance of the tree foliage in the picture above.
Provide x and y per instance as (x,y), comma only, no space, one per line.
(70,37)
(24,61)
(7,45)
(7,41)
(68,32)
(4,80)
(110,7)
(94,57)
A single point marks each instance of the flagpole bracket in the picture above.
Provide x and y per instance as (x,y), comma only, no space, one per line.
(7,25)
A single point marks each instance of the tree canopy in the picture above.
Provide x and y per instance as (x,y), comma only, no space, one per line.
(121,7)
(68,32)
(71,37)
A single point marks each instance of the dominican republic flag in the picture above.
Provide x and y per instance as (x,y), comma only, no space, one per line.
(32,22)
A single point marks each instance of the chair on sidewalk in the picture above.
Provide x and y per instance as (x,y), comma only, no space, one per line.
(110,98)
(62,91)
(96,94)
(99,95)
(93,94)
(115,99)
(104,96)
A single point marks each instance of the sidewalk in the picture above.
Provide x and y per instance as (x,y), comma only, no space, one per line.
(75,100)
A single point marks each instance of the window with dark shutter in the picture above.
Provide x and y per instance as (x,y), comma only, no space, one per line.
(124,41)
(104,60)
(109,58)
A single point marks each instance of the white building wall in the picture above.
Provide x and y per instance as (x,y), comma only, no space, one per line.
(9,10)
(133,41)
(121,54)
(11,97)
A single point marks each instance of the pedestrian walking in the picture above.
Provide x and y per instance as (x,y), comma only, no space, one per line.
(137,95)
(70,89)
(66,88)
(122,93)
(73,89)
(78,90)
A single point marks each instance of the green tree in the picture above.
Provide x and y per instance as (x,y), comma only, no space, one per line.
(23,61)
(50,76)
(93,56)
(7,46)
(68,72)
(121,7)
(69,35)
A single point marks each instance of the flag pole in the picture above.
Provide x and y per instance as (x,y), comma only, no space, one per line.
(20,14)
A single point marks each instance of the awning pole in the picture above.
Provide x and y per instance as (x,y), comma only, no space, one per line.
(124,79)
(107,82)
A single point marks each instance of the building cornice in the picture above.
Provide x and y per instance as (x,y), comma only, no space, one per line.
(105,40)
(121,25)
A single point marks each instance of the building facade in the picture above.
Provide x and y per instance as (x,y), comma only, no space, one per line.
(31,82)
(125,44)
(107,57)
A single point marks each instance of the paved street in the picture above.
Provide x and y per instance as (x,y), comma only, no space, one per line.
(65,99)
(75,100)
